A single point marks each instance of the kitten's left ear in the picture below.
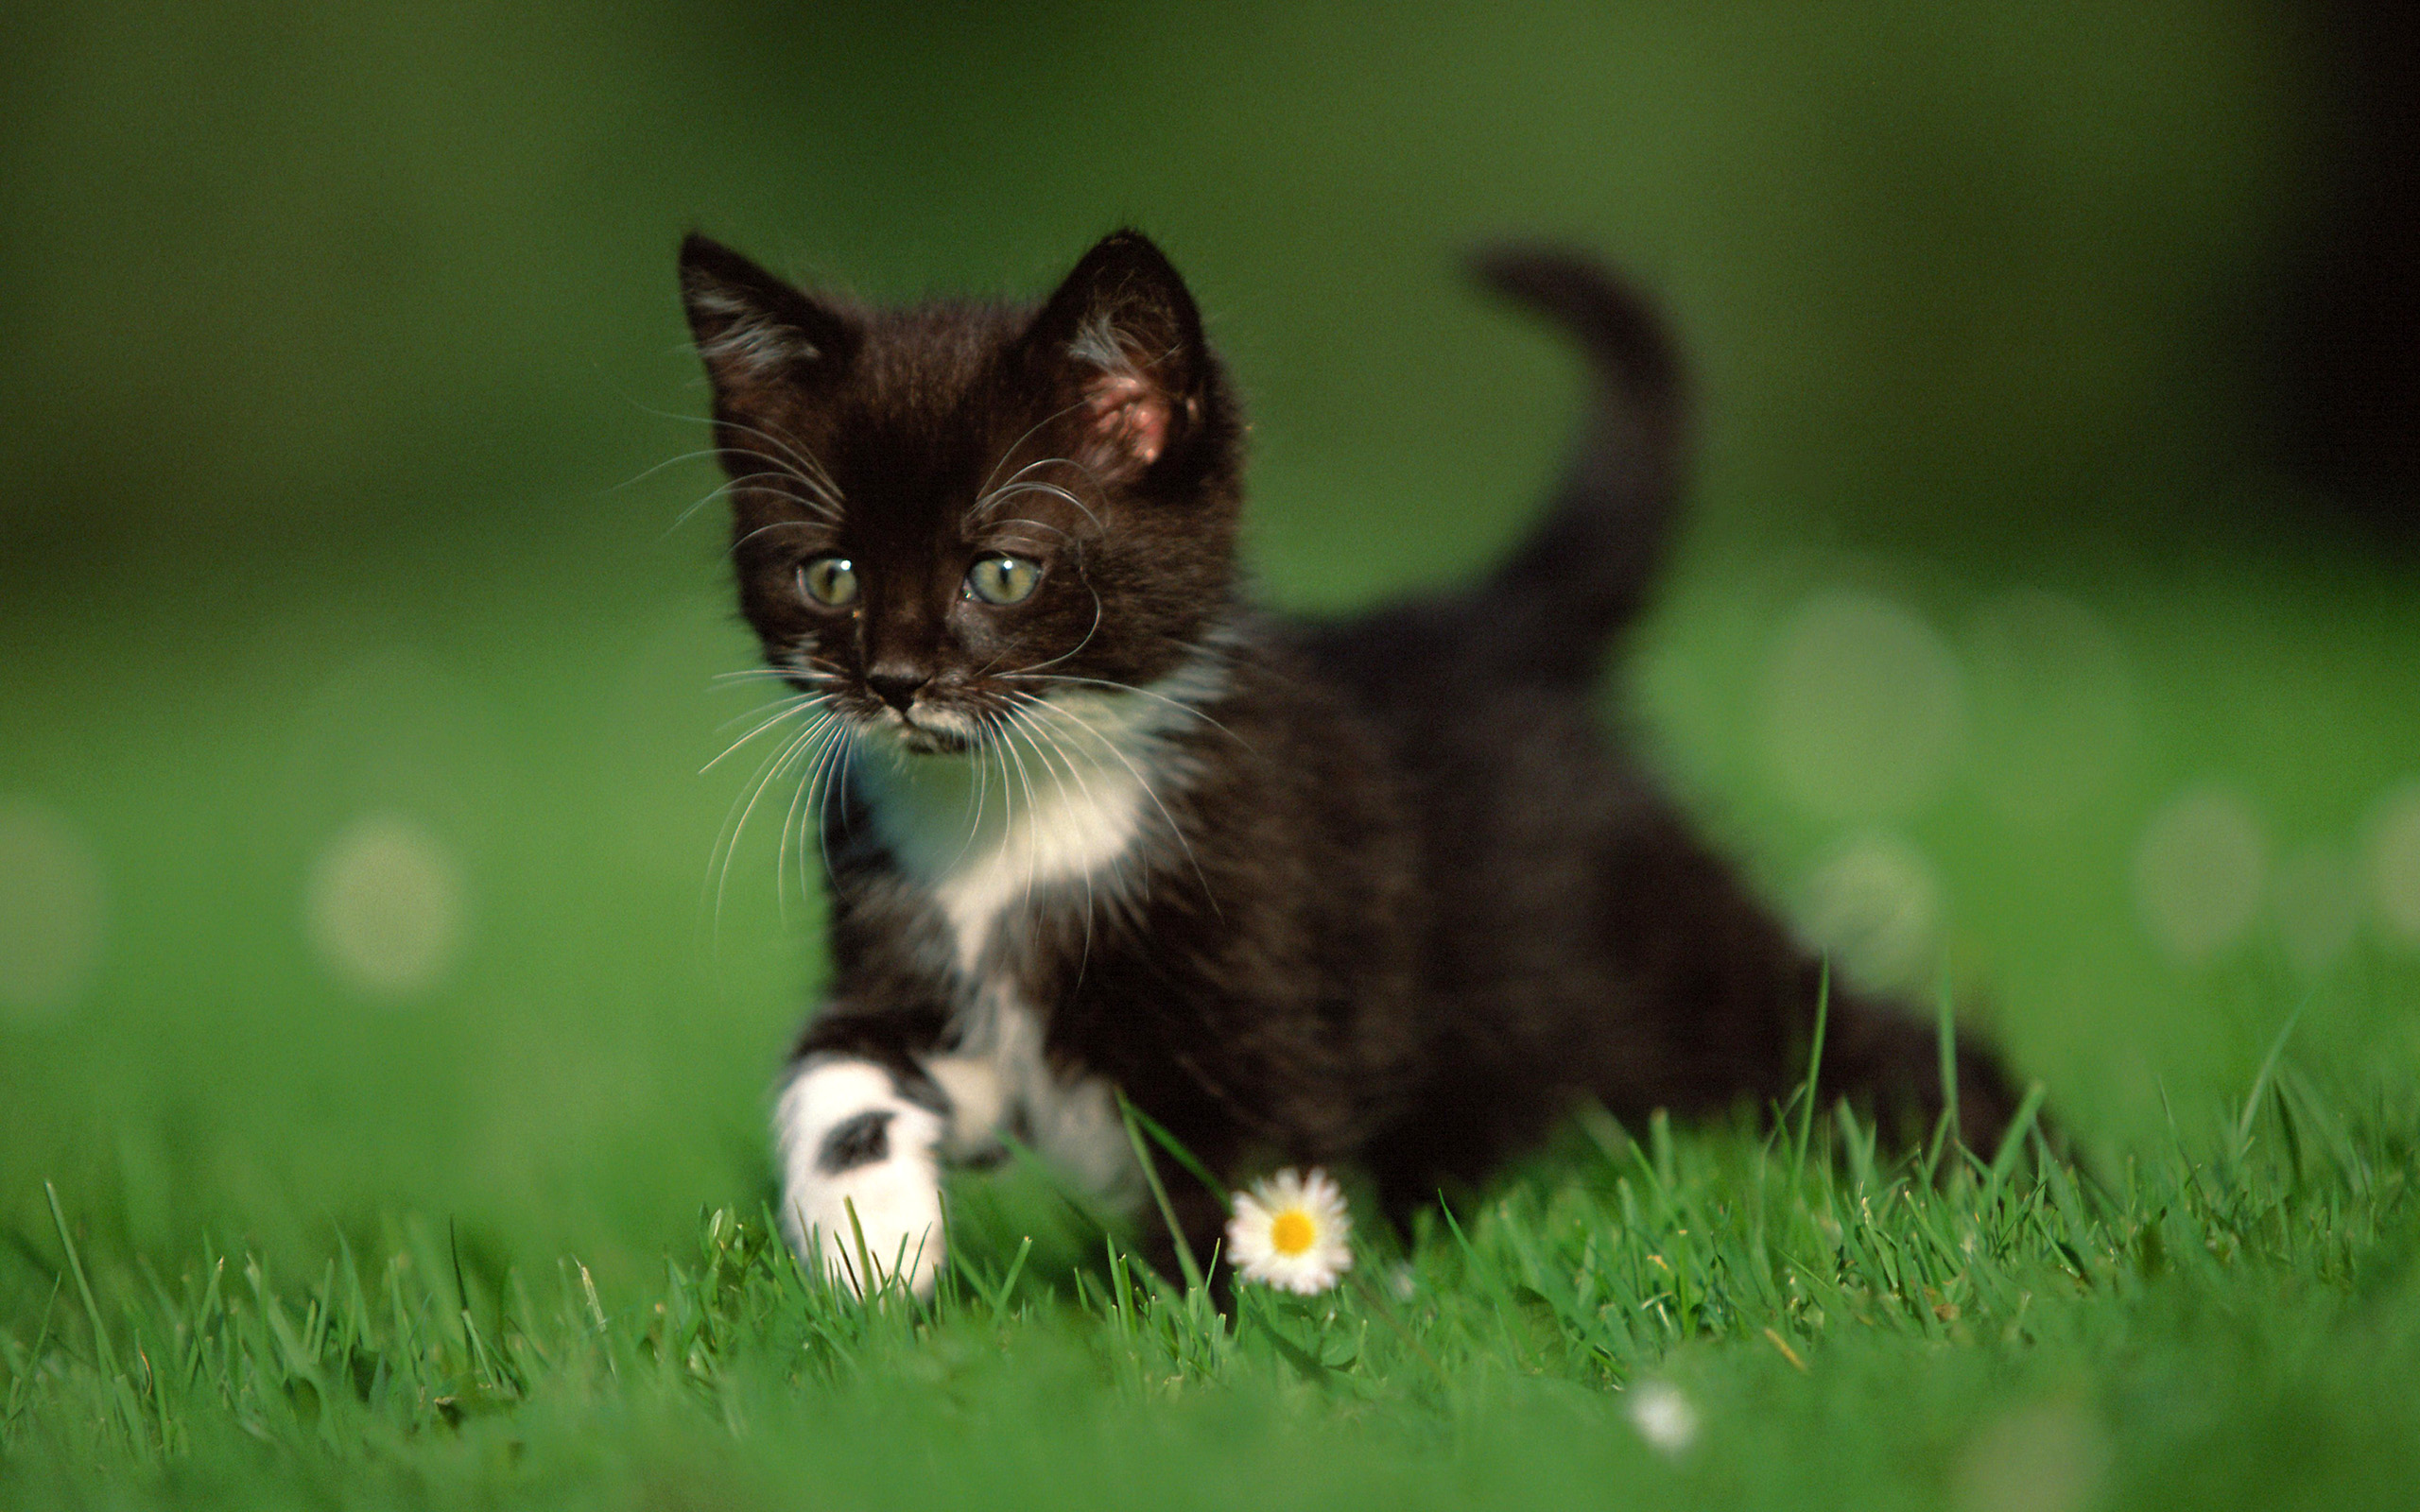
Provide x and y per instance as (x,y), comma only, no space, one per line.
(1121,342)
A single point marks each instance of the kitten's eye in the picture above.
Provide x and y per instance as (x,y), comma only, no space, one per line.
(831,581)
(1003,579)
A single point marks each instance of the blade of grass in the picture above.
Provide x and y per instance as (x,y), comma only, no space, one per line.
(1814,1060)
(2012,1142)
(2260,1082)
(1185,1261)
(105,1351)
(1945,1031)
(1176,1149)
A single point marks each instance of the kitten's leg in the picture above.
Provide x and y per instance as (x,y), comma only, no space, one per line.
(859,1147)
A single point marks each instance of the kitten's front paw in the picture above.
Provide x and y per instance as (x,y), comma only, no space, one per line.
(861,1195)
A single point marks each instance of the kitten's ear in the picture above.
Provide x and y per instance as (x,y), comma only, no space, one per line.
(752,329)
(1121,342)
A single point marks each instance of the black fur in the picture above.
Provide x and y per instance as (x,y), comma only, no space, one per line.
(1409,901)
(855,1141)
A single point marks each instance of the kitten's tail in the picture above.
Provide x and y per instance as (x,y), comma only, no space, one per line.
(1587,570)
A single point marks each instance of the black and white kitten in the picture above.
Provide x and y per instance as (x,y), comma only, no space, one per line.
(1377,891)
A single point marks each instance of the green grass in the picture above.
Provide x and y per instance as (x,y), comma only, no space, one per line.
(2232,1318)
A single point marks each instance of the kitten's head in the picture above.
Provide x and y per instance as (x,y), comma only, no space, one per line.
(944,510)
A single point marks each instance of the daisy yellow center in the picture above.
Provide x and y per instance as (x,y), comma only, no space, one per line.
(1291,1232)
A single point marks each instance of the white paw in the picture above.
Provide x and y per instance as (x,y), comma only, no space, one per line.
(860,1184)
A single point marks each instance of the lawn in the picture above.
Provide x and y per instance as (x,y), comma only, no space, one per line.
(2230,1316)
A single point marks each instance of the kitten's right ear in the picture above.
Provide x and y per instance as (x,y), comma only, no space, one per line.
(753,330)
(1122,339)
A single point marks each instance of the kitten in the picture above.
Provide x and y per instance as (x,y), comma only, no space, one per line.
(1377,890)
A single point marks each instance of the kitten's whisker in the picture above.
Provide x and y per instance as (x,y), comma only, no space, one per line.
(1011,451)
(719,490)
(974,818)
(1091,803)
(734,459)
(826,516)
(1010,490)
(742,674)
(766,774)
(836,785)
(810,470)
(805,470)
(1033,801)
(1058,748)
(823,509)
(698,455)
(769,529)
(791,821)
(818,670)
(780,482)
(788,709)
(799,662)
(835,778)
(782,848)
(1177,704)
(1023,520)
(1039,462)
(806,807)
(1175,829)
(790,700)
(1099,610)
(987,751)
(998,747)
(759,482)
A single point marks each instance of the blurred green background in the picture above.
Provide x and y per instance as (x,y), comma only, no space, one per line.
(356,638)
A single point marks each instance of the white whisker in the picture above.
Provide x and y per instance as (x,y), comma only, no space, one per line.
(1177,704)
(1099,609)
(788,709)
(1030,431)
(778,763)
(1091,802)
(1175,829)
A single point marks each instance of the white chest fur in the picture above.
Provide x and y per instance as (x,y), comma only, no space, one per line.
(1062,798)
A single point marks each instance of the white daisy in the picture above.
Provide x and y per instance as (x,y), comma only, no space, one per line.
(1291,1231)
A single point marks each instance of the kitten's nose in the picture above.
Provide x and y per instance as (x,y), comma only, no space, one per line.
(896,686)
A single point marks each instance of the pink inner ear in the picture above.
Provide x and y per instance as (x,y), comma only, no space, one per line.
(1129,416)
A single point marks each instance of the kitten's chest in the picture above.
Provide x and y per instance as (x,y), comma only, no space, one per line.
(989,839)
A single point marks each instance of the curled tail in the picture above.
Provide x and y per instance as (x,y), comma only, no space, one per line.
(1588,568)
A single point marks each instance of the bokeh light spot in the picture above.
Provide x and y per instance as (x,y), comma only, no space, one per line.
(2395,864)
(1663,1416)
(52,908)
(2052,1457)
(386,907)
(1876,907)
(2056,715)
(2317,903)
(2197,871)
(1865,708)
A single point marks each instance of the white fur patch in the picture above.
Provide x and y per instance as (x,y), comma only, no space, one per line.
(1062,800)
(997,1075)
(896,1199)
